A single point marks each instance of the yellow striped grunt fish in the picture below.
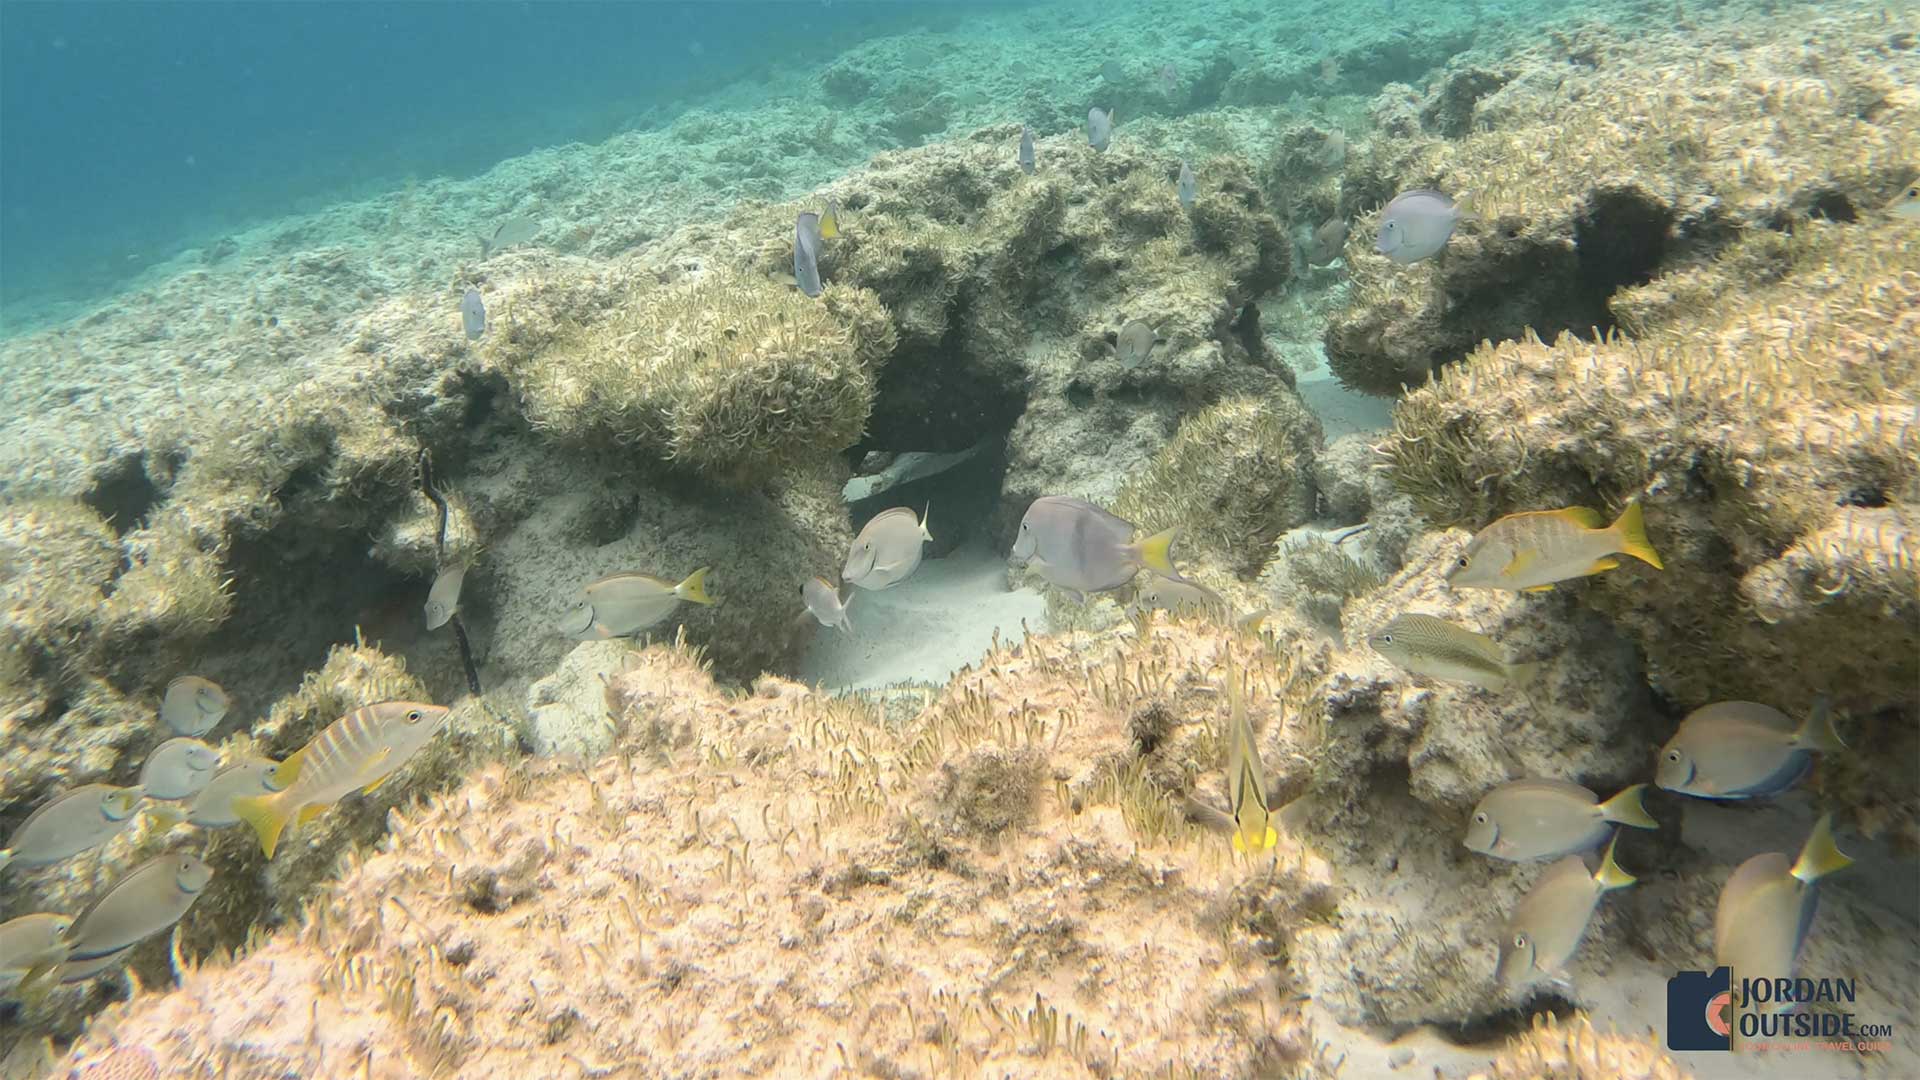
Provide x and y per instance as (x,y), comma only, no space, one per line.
(358,751)
(1529,552)
(1246,788)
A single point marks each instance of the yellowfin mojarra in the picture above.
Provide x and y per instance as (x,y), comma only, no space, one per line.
(1529,552)
(359,750)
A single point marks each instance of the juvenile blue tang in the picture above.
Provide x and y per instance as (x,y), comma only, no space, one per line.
(1416,225)
(1743,750)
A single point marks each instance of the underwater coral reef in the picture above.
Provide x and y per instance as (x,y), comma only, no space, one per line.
(414,668)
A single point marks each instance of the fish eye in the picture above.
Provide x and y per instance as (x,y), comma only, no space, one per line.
(1519,941)
(1462,562)
(1386,639)
(1480,818)
(413,716)
(1673,756)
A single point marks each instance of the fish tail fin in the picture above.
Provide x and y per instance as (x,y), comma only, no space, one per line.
(1627,809)
(1250,622)
(1817,733)
(1526,674)
(924,514)
(1465,207)
(164,816)
(6,856)
(1269,841)
(34,986)
(1820,857)
(1239,841)
(1610,876)
(268,816)
(1631,533)
(1156,553)
(695,587)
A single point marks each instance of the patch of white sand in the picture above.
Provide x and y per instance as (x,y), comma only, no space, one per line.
(1341,411)
(925,628)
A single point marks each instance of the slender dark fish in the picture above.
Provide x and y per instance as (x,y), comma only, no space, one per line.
(806,253)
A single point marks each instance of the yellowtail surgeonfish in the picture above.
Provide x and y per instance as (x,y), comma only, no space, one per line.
(30,942)
(1253,830)
(887,551)
(620,605)
(1766,908)
(825,605)
(1743,750)
(193,705)
(1437,649)
(1545,819)
(150,898)
(1529,552)
(358,751)
(1545,929)
(1084,549)
(213,807)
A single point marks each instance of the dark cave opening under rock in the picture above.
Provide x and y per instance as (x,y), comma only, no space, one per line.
(1620,237)
(124,494)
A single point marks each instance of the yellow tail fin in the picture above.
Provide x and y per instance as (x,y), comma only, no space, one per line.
(1627,809)
(1610,876)
(1156,552)
(1631,534)
(1817,733)
(695,587)
(267,815)
(1820,857)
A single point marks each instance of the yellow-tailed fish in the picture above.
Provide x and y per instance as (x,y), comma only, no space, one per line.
(1545,819)
(1907,203)
(32,942)
(1767,906)
(623,604)
(358,751)
(1743,750)
(1084,549)
(887,551)
(150,898)
(1545,929)
(178,769)
(830,221)
(193,705)
(1529,552)
(443,598)
(70,823)
(1246,785)
(1438,649)
(213,807)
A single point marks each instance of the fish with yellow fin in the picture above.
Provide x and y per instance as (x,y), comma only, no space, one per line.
(1766,909)
(1253,830)
(1529,552)
(830,221)
(358,751)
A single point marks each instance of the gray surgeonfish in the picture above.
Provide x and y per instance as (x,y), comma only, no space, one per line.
(806,253)
(70,823)
(31,942)
(1187,185)
(443,599)
(1743,750)
(1545,819)
(621,605)
(1766,908)
(1025,156)
(1084,549)
(825,604)
(1545,929)
(887,551)
(1417,225)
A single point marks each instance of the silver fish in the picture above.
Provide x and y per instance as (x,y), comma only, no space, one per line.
(250,777)
(1416,225)
(1767,907)
(1907,203)
(1134,343)
(824,603)
(1099,128)
(806,253)
(1743,750)
(473,314)
(30,942)
(1545,819)
(1082,548)
(1438,649)
(358,751)
(620,605)
(443,599)
(1169,79)
(1187,185)
(887,551)
(178,769)
(515,230)
(1025,156)
(149,899)
(193,705)
(70,823)
(1545,929)
(1180,597)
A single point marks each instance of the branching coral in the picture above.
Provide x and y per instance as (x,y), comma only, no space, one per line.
(727,375)
(1235,476)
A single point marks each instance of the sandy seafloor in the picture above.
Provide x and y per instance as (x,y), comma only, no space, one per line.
(252,315)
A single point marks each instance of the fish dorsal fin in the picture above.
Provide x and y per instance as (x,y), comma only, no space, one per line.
(1582,516)
(290,767)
